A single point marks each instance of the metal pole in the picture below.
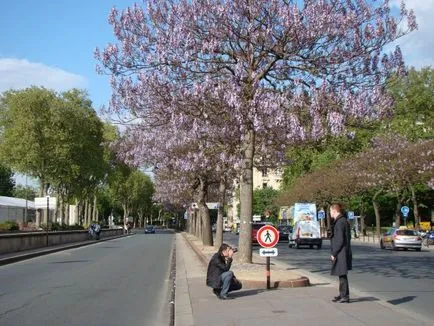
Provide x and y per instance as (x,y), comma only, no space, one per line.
(48,215)
(267,273)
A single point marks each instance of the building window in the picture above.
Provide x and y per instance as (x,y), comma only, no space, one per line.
(264,185)
(264,172)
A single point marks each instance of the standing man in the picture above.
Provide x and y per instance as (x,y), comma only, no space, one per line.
(219,276)
(341,255)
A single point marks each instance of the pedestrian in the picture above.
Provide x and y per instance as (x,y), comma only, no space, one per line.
(219,276)
(341,255)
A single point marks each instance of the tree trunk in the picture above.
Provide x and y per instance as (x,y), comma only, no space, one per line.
(220,212)
(246,200)
(195,224)
(206,232)
(377,213)
(415,208)
(398,210)
(95,209)
(362,218)
(86,212)
(126,213)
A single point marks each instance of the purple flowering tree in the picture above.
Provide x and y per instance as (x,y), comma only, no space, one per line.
(285,71)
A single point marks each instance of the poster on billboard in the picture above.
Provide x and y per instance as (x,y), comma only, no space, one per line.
(284,213)
(304,211)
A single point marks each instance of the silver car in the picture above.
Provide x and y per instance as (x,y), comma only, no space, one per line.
(401,238)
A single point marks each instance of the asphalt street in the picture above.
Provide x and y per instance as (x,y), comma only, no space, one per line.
(119,282)
(402,278)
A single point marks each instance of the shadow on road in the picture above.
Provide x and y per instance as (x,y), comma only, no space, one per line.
(402,300)
(246,293)
(364,299)
(319,284)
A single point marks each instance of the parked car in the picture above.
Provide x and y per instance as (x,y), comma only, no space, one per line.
(150,229)
(284,232)
(255,228)
(401,238)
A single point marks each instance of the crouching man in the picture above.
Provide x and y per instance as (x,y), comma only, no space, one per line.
(219,277)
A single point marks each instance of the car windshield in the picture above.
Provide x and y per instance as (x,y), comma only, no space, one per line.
(149,227)
(257,226)
(406,232)
(285,228)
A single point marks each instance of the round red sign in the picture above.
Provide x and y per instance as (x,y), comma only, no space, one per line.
(268,236)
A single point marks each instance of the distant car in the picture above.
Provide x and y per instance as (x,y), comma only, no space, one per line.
(401,238)
(150,229)
(284,232)
(214,228)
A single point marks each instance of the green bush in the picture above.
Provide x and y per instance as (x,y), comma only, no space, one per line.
(9,226)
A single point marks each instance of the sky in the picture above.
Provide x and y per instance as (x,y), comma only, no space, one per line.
(51,43)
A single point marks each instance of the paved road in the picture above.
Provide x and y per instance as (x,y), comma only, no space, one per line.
(118,282)
(402,278)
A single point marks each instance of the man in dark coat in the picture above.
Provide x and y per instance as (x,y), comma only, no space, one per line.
(341,255)
(219,276)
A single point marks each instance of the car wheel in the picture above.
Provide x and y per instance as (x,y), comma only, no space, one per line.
(382,245)
(418,249)
(290,246)
(311,246)
(319,246)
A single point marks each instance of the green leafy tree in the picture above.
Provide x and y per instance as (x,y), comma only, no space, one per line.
(7,181)
(414,104)
(27,192)
(142,190)
(263,200)
(27,133)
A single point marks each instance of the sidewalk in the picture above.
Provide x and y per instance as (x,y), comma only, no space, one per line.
(196,305)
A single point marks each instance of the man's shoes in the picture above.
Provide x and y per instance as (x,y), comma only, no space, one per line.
(216,292)
(336,299)
(224,297)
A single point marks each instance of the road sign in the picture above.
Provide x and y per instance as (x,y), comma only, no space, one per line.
(405,210)
(321,214)
(267,236)
(42,202)
(268,252)
(256,218)
(350,215)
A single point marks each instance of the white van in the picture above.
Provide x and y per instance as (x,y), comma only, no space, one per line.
(306,233)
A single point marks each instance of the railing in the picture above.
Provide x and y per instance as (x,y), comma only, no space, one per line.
(13,242)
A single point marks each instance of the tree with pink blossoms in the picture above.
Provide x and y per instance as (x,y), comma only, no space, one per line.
(286,70)
(189,156)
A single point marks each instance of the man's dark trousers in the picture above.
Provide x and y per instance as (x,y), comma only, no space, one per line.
(344,290)
(227,284)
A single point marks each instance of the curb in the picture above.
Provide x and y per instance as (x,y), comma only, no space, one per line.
(43,251)
(303,281)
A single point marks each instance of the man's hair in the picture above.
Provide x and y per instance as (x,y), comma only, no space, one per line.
(337,207)
(223,247)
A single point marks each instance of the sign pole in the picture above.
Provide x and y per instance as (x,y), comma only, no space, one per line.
(48,215)
(267,273)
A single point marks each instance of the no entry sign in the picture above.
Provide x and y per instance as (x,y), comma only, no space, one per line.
(268,236)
